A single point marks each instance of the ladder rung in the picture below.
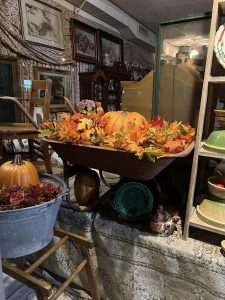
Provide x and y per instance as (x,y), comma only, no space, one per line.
(69,280)
(46,255)
(217,79)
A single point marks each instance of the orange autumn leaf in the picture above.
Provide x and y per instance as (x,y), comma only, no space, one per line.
(187,137)
(174,146)
(65,117)
(76,117)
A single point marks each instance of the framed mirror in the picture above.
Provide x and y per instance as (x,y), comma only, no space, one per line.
(180,62)
(61,86)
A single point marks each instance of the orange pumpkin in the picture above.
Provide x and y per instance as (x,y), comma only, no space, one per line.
(18,172)
(86,186)
(120,120)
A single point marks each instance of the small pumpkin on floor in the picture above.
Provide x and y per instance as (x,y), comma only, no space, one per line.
(86,187)
(18,172)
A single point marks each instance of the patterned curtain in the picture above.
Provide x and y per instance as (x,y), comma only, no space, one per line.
(12,39)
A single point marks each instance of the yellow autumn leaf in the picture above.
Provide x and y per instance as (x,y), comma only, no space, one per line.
(84,123)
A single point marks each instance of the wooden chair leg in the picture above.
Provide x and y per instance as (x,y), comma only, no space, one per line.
(91,275)
(21,262)
(40,296)
(32,150)
(47,157)
(66,172)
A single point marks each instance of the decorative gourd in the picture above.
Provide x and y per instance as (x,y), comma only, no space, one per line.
(86,186)
(18,172)
(119,120)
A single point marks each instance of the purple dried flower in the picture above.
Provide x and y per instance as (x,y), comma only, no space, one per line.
(86,105)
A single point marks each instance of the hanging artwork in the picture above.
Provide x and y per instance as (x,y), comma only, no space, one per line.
(60,85)
(42,23)
(84,40)
(111,49)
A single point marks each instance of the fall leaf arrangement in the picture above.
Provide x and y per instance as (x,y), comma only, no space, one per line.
(123,130)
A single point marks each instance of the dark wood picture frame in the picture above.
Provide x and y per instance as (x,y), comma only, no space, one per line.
(84,42)
(110,49)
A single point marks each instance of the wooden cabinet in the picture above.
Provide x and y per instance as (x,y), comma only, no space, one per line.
(212,79)
(103,85)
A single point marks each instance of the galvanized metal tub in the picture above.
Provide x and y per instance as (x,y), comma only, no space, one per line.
(27,230)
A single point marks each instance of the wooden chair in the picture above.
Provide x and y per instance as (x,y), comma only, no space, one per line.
(29,130)
(44,290)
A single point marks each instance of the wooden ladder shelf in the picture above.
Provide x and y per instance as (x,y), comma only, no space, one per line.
(192,218)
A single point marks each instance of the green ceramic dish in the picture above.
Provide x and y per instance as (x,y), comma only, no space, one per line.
(133,201)
(214,149)
(216,141)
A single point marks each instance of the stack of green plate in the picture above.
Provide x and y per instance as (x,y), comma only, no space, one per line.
(133,201)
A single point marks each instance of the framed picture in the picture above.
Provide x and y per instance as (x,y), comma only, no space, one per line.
(110,49)
(84,41)
(42,23)
(60,85)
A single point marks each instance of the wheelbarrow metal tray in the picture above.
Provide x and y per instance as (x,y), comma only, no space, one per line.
(114,161)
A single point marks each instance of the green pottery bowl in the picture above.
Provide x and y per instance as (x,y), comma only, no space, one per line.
(216,141)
